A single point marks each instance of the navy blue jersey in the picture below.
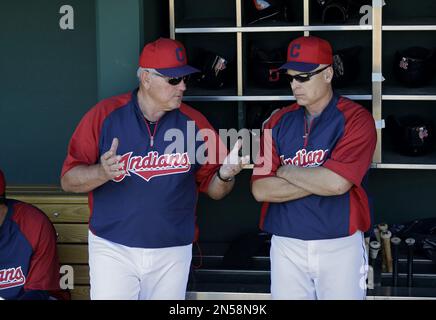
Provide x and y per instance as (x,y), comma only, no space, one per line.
(28,258)
(342,138)
(153,205)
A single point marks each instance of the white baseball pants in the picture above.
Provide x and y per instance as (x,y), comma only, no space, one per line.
(320,269)
(118,272)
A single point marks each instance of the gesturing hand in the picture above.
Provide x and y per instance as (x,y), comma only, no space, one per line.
(233,163)
(110,162)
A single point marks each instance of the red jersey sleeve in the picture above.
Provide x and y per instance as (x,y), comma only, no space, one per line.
(352,155)
(44,265)
(83,146)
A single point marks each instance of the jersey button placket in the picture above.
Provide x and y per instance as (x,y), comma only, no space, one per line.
(151,135)
(307,130)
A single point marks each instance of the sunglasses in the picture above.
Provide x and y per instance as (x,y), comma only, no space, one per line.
(172,81)
(304,77)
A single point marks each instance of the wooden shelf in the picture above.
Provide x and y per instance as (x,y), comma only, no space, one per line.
(409,28)
(273,29)
(196,91)
(410,24)
(401,97)
(216,23)
(405,166)
(394,89)
(375,92)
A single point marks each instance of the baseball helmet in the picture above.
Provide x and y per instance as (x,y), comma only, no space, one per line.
(414,66)
(412,135)
(214,70)
(256,118)
(257,115)
(266,10)
(265,67)
(334,11)
(345,66)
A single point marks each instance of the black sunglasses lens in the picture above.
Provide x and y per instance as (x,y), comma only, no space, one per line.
(302,78)
(299,78)
(176,81)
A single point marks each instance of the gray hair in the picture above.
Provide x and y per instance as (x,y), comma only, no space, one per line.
(141,70)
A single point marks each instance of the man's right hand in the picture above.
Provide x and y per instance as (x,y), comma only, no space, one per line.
(110,166)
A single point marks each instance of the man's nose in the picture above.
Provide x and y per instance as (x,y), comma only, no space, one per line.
(295,84)
(182,85)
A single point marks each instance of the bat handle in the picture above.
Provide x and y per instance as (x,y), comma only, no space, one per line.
(395,241)
(375,263)
(386,236)
(410,246)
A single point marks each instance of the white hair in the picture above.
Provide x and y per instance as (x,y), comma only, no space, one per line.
(141,70)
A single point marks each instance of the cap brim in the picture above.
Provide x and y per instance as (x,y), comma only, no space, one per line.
(178,71)
(300,66)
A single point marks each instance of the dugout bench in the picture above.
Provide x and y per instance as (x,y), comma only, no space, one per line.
(69,215)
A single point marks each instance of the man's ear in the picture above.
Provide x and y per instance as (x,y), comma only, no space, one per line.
(328,74)
(145,79)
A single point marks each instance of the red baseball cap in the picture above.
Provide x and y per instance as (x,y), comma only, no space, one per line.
(168,57)
(307,53)
(2,183)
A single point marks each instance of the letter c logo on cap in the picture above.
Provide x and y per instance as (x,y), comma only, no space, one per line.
(295,50)
(179,55)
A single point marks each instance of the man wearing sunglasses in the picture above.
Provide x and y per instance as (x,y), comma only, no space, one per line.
(314,189)
(136,155)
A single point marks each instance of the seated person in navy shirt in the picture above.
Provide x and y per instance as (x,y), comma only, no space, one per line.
(29,267)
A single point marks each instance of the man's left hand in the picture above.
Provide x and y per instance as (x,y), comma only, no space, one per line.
(233,163)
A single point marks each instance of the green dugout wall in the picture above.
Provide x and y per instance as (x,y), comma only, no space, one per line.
(50,77)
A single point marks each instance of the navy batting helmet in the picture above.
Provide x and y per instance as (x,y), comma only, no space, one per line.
(412,135)
(266,10)
(414,66)
(214,70)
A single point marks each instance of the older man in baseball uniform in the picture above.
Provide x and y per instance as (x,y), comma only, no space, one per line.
(136,156)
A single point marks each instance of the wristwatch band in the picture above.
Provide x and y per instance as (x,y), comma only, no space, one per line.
(222,179)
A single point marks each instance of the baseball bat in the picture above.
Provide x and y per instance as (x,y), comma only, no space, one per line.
(382,227)
(374,249)
(377,234)
(395,241)
(410,242)
(367,246)
(370,283)
(386,236)
(374,277)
